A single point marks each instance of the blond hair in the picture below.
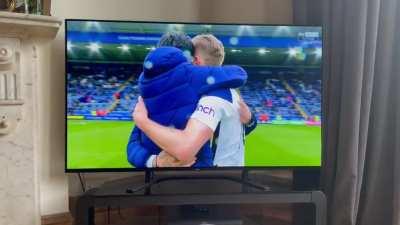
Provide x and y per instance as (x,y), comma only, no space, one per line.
(210,48)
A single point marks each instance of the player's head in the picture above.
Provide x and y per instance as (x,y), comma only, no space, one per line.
(208,50)
(177,40)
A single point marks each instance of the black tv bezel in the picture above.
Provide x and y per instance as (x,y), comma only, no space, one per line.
(236,168)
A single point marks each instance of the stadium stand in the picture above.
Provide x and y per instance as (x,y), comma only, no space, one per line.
(309,95)
(112,95)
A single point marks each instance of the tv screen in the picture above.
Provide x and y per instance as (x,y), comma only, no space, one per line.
(274,70)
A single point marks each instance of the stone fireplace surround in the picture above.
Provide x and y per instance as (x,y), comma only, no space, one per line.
(21,38)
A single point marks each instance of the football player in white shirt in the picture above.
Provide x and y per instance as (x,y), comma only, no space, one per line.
(220,107)
(223,108)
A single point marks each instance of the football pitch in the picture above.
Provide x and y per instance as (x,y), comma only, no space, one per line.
(102,144)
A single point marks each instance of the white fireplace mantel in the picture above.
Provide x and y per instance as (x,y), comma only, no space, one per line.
(21,38)
(28,25)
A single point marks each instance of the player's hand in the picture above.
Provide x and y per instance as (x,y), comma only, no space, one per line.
(166,160)
(139,115)
(244,111)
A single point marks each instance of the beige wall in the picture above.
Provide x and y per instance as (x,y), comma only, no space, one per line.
(54,183)
(246,11)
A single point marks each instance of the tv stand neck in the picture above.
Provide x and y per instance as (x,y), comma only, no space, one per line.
(150,180)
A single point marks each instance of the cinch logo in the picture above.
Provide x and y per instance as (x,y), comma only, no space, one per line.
(206,110)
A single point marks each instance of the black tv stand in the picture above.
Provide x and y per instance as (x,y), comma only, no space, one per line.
(150,180)
(114,194)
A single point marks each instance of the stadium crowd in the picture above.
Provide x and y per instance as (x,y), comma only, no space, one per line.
(113,95)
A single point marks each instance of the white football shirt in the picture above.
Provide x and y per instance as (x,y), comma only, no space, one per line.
(212,110)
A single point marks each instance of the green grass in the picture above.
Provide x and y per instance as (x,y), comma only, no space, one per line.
(102,144)
(282,145)
(97,144)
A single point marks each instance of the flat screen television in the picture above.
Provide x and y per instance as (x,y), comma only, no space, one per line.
(104,60)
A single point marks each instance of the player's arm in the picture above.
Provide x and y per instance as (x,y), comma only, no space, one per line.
(137,155)
(251,125)
(181,144)
(247,118)
(164,159)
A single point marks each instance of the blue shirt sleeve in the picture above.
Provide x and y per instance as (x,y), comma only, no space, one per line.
(136,153)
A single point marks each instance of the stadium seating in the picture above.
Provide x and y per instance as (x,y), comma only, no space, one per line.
(272,99)
(308,95)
